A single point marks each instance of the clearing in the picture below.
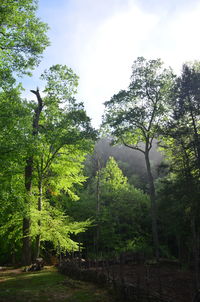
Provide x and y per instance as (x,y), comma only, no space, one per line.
(47,285)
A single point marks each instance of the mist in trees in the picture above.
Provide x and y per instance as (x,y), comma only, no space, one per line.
(131,162)
(134,116)
(131,186)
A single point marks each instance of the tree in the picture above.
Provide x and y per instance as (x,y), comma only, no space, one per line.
(60,129)
(134,117)
(22,38)
(43,146)
(186,110)
(122,214)
(130,161)
(181,143)
(123,209)
(22,41)
(174,215)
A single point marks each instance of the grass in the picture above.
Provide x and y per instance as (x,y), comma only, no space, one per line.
(47,285)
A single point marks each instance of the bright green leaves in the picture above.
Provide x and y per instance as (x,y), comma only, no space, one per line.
(61,84)
(61,142)
(15,122)
(22,37)
(56,146)
(121,209)
(56,227)
(65,171)
(49,139)
(12,205)
(111,176)
(63,116)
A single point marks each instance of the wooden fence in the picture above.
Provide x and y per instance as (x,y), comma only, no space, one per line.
(103,274)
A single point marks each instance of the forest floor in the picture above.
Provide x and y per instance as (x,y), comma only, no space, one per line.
(47,285)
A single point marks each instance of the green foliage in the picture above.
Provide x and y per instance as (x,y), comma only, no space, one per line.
(173,207)
(133,116)
(58,147)
(180,144)
(12,210)
(22,38)
(140,245)
(14,124)
(63,139)
(61,83)
(22,41)
(66,171)
(122,215)
(56,227)
(111,176)
(156,106)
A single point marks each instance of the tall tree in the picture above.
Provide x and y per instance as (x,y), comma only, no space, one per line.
(22,41)
(28,175)
(133,117)
(183,143)
(60,127)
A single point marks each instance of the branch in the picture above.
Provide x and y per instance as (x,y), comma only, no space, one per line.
(37,93)
(148,95)
(150,143)
(153,114)
(37,111)
(52,157)
(132,147)
(142,128)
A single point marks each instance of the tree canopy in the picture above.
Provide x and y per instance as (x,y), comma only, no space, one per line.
(62,190)
(22,38)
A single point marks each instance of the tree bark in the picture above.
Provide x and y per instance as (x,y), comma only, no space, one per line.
(26,249)
(39,221)
(97,207)
(153,205)
(196,136)
(26,241)
(152,193)
(195,245)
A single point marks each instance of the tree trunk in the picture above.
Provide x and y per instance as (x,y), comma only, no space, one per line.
(26,248)
(153,205)
(196,135)
(96,240)
(39,221)
(195,245)
(26,241)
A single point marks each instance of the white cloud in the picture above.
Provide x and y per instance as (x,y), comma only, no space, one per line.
(185,40)
(108,57)
(176,40)
(101,39)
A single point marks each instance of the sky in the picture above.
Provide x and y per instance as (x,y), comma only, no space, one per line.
(100,39)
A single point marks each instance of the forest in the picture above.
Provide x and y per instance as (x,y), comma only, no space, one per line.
(131,186)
